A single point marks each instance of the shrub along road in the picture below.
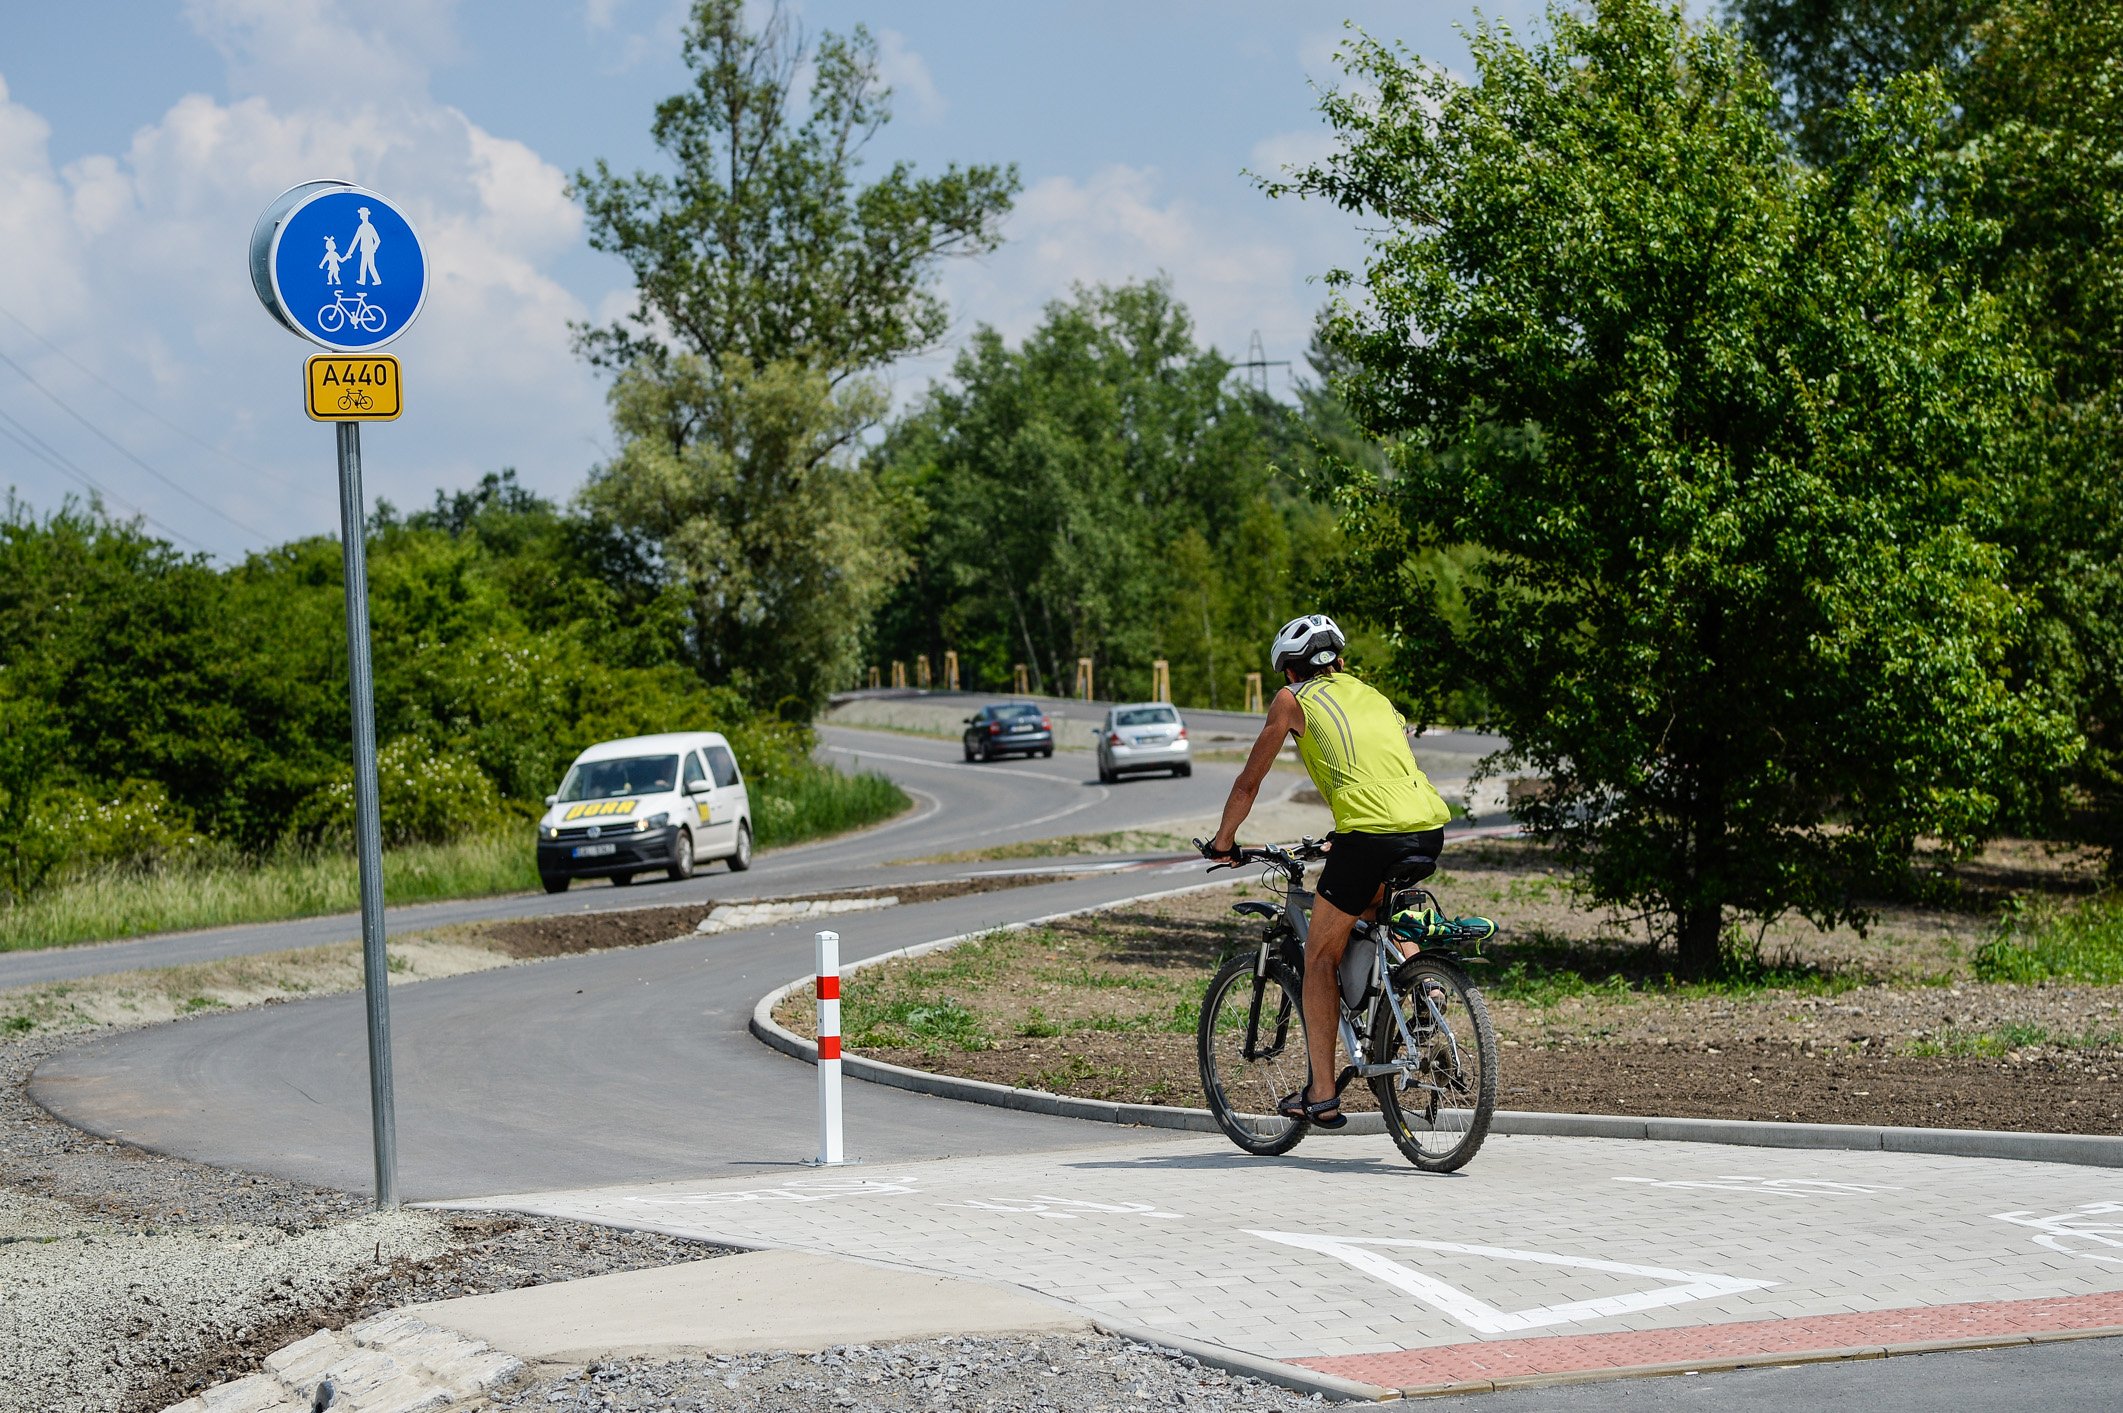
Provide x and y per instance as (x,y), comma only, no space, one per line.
(958,806)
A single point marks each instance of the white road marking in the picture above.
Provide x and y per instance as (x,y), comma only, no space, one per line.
(795,1190)
(1484,1318)
(1066,1209)
(1770,1187)
(2063,1228)
(952,765)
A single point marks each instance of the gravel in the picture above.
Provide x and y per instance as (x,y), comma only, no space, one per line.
(1054,1374)
(130,1280)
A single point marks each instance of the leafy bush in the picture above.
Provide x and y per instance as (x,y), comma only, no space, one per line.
(428,797)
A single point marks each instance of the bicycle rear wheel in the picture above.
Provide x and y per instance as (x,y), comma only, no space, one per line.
(1439,1108)
(1250,1042)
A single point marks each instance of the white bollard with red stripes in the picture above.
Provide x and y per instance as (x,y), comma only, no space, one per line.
(829,1146)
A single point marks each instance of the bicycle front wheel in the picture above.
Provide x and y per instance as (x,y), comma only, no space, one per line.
(1439,1103)
(1250,1042)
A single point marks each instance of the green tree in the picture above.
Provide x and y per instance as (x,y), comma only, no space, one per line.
(1724,427)
(1820,51)
(2041,127)
(761,243)
(781,540)
(770,280)
(1101,491)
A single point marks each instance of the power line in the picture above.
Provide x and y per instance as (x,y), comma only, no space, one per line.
(114,444)
(129,400)
(1258,363)
(36,446)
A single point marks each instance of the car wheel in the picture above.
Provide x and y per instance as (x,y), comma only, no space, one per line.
(681,856)
(1046,753)
(742,859)
(1106,777)
(621,880)
(1182,771)
(969,749)
(987,753)
(554,882)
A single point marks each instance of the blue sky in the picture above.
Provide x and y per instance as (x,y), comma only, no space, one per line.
(139,141)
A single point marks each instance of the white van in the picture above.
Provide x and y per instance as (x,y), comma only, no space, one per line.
(646,803)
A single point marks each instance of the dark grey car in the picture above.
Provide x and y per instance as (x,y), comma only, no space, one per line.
(1008,729)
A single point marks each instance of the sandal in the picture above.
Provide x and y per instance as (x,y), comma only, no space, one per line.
(1327,1113)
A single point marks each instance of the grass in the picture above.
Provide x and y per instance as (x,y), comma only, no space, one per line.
(224,891)
(2078,942)
(819,801)
(1121,841)
(103,905)
(2001,1041)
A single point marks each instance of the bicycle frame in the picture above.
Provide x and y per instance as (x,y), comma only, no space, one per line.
(1356,1026)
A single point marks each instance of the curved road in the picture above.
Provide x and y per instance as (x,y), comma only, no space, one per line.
(616,1066)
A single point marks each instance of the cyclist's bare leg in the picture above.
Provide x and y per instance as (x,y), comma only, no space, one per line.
(1326,939)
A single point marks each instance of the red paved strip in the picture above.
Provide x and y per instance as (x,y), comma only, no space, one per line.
(1412,1369)
(829,988)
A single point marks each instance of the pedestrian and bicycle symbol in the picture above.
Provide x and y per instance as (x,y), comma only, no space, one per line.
(338,265)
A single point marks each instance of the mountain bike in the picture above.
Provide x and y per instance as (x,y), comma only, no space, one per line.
(1417,1029)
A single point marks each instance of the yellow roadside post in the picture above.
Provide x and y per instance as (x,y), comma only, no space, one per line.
(899,673)
(950,671)
(1020,680)
(1253,693)
(921,671)
(1161,681)
(1083,679)
(873,676)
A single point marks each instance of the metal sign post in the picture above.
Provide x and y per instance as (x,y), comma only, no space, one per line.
(368,814)
(343,268)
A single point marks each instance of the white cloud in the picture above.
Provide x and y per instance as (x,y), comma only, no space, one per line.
(907,73)
(134,263)
(1122,224)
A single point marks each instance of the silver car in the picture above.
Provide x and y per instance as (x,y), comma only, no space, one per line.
(1144,736)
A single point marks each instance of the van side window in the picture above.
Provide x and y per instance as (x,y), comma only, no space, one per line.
(693,768)
(724,765)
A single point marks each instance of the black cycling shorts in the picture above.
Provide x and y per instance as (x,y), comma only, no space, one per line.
(1359,863)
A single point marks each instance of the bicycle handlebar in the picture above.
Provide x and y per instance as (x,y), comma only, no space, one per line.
(1290,859)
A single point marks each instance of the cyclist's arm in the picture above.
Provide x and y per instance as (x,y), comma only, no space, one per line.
(1285,718)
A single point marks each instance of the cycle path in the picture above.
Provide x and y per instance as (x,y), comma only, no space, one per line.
(1547,1258)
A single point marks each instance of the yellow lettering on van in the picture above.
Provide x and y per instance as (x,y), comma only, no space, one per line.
(597,809)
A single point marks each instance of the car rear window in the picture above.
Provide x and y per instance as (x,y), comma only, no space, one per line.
(1145,716)
(1015,710)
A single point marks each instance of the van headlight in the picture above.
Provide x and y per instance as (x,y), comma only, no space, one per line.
(654,821)
(549,831)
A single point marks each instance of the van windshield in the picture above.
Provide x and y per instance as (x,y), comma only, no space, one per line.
(605,779)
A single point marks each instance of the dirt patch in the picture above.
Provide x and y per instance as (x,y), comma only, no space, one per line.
(1884,1027)
(640,927)
(2044,1093)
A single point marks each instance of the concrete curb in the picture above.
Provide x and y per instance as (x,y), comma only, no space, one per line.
(1254,1366)
(2085,1150)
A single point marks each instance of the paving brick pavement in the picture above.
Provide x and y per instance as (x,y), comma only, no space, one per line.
(1545,1255)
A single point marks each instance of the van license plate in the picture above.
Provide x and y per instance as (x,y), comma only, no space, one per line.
(591,851)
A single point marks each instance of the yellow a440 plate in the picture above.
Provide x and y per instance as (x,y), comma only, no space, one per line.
(360,387)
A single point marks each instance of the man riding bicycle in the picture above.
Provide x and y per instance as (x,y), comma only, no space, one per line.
(1389,823)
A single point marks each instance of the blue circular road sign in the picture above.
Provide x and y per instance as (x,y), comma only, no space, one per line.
(339,265)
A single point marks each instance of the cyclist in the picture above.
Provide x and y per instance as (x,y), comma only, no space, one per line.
(1389,823)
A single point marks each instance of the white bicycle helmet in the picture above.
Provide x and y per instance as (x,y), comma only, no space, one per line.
(1313,640)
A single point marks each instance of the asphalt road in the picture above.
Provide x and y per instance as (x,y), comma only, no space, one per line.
(958,807)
